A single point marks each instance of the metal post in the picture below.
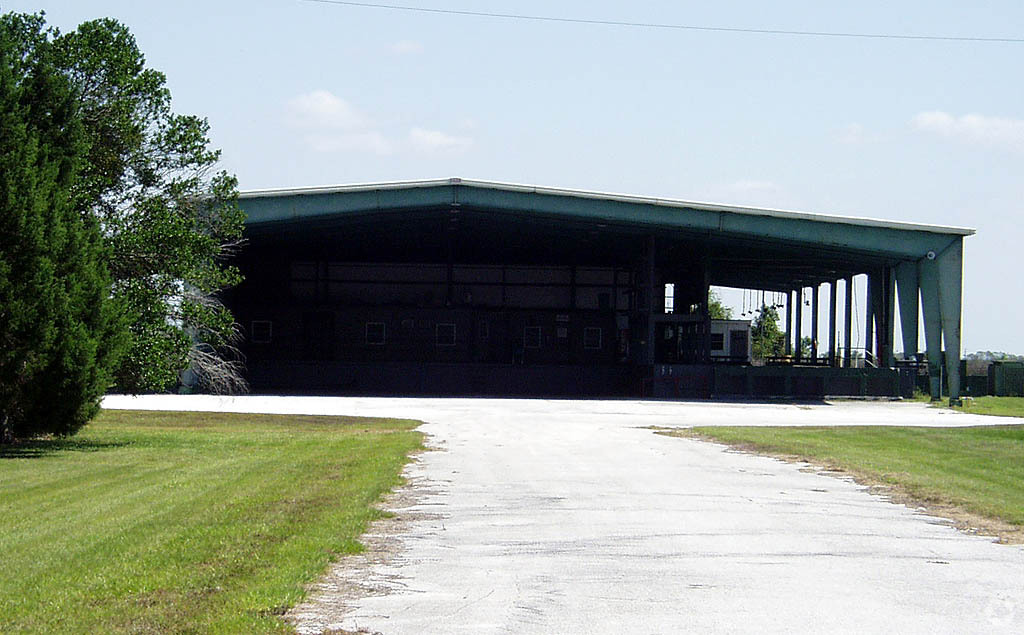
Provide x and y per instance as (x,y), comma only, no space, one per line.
(799,324)
(951,271)
(928,278)
(877,283)
(889,310)
(789,323)
(832,288)
(907,292)
(814,321)
(649,348)
(848,320)
(869,314)
(449,299)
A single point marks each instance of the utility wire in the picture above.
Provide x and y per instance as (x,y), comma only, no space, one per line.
(675,27)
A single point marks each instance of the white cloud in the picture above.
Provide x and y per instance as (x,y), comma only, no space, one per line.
(407,47)
(321,109)
(327,123)
(436,141)
(977,129)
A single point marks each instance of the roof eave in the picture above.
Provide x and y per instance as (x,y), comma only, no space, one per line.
(609,196)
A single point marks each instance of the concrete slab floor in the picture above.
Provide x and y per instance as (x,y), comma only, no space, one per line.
(548,516)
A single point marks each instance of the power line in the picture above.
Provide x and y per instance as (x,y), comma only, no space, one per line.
(676,27)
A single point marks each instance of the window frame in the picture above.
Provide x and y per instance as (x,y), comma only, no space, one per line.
(721,346)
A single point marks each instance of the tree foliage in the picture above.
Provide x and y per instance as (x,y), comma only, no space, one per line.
(116,229)
(767,339)
(60,333)
(806,347)
(170,220)
(716,309)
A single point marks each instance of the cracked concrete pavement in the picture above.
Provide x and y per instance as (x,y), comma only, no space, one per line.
(549,516)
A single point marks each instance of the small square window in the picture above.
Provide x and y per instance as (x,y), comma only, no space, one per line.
(262,331)
(444,334)
(376,333)
(592,336)
(718,341)
(531,337)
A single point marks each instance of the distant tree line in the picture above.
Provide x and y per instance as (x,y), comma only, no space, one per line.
(993,356)
(115,230)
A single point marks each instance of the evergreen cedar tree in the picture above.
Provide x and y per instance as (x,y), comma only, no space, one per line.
(114,230)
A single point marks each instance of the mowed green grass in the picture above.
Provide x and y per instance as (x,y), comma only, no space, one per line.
(186,522)
(978,469)
(999,406)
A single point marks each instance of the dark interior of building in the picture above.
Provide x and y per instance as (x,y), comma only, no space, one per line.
(447,288)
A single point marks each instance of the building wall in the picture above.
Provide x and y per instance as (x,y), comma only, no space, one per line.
(731,339)
(411,334)
(299,315)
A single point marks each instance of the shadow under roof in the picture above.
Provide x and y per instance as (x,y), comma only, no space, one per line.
(745,246)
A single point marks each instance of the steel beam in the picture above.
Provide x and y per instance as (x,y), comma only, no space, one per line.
(650,271)
(869,316)
(928,279)
(908,292)
(798,353)
(832,288)
(951,270)
(814,321)
(889,318)
(789,323)
(848,324)
(877,284)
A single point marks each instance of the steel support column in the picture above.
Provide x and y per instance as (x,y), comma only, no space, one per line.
(877,283)
(848,324)
(951,271)
(869,316)
(798,353)
(649,283)
(832,288)
(888,322)
(814,321)
(928,279)
(908,292)
(789,323)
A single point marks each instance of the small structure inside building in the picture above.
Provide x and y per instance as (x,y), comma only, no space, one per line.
(452,286)
(730,341)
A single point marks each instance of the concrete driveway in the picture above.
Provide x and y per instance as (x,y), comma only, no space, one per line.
(544,516)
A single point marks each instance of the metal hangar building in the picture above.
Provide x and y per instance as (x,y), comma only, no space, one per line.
(458,286)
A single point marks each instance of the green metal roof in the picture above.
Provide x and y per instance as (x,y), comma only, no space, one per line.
(405,186)
(743,239)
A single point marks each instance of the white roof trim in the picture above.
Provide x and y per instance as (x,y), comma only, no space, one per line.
(608,196)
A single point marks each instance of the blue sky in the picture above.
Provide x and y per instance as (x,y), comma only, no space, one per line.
(299,93)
